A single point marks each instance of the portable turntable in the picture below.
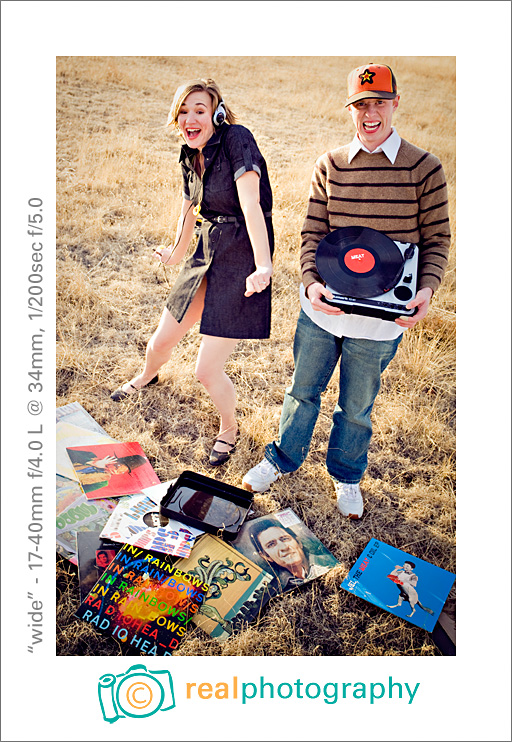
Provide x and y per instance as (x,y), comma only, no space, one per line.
(207,504)
(368,273)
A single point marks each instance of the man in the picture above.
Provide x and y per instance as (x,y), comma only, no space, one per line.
(103,558)
(406,581)
(284,554)
(380,181)
(95,473)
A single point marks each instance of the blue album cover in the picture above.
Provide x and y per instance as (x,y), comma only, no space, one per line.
(400,583)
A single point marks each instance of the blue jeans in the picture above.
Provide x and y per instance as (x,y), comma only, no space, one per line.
(316,354)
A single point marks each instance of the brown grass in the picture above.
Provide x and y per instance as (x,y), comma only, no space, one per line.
(118,191)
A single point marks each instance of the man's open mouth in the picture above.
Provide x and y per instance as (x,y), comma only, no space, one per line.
(371,126)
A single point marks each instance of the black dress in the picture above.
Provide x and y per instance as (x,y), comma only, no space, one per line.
(224,253)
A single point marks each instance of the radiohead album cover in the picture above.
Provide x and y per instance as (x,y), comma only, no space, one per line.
(143,601)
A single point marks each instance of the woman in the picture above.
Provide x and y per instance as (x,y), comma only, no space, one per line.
(225,284)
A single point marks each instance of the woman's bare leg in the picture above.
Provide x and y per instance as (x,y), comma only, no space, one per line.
(212,356)
(167,335)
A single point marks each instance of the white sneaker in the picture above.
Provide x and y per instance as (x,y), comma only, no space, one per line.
(260,477)
(350,500)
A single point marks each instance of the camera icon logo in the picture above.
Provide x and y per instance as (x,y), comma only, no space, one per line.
(135,693)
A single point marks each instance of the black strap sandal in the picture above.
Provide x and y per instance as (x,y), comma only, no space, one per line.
(120,394)
(220,457)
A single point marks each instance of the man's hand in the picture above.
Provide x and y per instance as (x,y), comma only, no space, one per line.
(314,292)
(103,463)
(422,301)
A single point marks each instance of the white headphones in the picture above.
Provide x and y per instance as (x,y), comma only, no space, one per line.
(219,116)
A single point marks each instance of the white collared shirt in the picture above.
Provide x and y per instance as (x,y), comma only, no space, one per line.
(356,325)
(390,147)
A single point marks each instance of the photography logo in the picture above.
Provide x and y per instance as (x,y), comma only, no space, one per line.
(136,693)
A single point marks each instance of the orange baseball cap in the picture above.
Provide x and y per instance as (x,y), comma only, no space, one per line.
(371,81)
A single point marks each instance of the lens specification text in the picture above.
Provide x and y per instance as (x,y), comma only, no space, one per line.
(35,439)
(35,277)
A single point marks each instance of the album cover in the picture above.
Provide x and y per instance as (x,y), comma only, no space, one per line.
(72,435)
(74,426)
(112,469)
(143,601)
(137,520)
(66,492)
(157,491)
(400,583)
(283,546)
(75,414)
(94,556)
(76,513)
(238,588)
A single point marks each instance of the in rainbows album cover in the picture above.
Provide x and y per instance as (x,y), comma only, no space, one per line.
(143,601)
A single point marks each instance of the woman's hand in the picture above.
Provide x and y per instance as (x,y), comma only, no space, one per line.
(258,281)
(163,253)
(172,254)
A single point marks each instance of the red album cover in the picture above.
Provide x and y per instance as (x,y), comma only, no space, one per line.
(112,469)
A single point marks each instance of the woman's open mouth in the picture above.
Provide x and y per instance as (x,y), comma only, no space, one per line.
(193,133)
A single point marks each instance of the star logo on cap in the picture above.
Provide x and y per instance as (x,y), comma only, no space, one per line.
(367,76)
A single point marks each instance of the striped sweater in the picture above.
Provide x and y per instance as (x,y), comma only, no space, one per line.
(406,200)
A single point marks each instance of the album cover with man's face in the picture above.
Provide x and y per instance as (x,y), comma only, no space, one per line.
(283,546)
(94,556)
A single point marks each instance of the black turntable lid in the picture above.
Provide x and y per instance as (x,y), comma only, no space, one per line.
(359,261)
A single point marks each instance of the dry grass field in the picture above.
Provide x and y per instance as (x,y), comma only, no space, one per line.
(118,195)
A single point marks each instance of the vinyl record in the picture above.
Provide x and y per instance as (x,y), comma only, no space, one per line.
(359,262)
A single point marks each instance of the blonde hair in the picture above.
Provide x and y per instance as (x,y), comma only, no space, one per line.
(208,86)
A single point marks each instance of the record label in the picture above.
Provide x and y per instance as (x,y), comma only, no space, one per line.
(359,260)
